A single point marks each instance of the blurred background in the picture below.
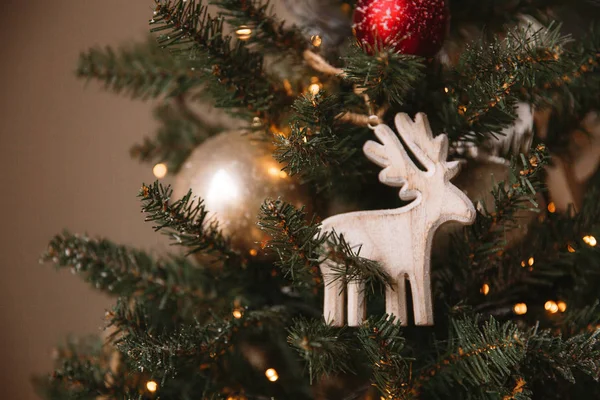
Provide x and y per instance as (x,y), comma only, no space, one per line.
(64,150)
(64,153)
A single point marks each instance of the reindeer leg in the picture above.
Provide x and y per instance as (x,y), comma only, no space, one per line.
(357,308)
(395,300)
(333,307)
(422,301)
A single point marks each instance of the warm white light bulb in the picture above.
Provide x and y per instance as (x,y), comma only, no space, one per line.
(159,170)
(243,32)
(590,240)
(551,306)
(151,386)
(314,88)
(520,308)
(271,374)
(485,289)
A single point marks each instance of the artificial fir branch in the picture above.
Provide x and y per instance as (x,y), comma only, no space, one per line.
(556,258)
(585,319)
(123,271)
(319,148)
(551,356)
(295,240)
(386,76)
(190,32)
(573,94)
(166,352)
(324,348)
(317,111)
(564,261)
(384,346)
(311,155)
(484,87)
(267,31)
(185,221)
(478,249)
(524,181)
(85,369)
(476,356)
(142,71)
(179,134)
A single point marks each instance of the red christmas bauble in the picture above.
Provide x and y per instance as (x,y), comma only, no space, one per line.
(409,26)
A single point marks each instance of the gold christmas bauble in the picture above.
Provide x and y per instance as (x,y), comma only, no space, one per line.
(234,174)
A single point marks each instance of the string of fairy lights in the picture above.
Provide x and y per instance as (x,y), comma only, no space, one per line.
(314,86)
(552,306)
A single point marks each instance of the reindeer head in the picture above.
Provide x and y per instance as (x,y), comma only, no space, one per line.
(431,186)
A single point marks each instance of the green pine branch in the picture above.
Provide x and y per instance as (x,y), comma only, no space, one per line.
(518,193)
(556,259)
(551,356)
(268,31)
(319,148)
(586,318)
(492,76)
(386,76)
(385,348)
(295,240)
(235,74)
(127,272)
(185,221)
(573,94)
(477,254)
(184,347)
(476,357)
(142,71)
(325,349)
(83,370)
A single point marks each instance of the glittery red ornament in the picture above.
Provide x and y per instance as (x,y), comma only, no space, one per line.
(409,26)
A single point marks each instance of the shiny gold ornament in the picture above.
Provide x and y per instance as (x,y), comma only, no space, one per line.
(234,174)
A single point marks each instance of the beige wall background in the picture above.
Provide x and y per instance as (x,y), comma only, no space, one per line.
(64,163)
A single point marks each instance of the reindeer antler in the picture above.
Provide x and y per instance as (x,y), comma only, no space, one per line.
(419,139)
(398,168)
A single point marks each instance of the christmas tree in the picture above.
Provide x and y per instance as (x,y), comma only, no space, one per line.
(265,298)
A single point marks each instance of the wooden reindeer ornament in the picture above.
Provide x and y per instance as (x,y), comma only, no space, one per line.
(400,239)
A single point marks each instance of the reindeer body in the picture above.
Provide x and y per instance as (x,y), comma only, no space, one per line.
(399,239)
